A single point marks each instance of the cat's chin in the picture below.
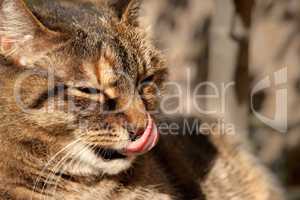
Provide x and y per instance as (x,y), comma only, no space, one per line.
(96,160)
(89,162)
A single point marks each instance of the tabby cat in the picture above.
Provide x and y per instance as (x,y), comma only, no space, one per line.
(80,86)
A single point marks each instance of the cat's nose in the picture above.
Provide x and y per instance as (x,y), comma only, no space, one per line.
(145,142)
(138,131)
(135,134)
(137,116)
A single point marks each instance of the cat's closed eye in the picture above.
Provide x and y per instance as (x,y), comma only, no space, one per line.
(88,90)
(147,79)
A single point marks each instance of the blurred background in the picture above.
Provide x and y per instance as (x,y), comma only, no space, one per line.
(241,42)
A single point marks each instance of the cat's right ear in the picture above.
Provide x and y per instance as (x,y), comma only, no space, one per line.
(127,10)
(22,37)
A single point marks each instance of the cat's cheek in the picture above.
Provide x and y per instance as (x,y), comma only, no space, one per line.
(51,120)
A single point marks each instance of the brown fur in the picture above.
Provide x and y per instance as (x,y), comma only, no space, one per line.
(99,60)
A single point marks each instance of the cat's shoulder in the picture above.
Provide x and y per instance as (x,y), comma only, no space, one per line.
(205,152)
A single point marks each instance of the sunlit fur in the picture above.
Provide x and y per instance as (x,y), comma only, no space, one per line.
(75,78)
(77,46)
(92,49)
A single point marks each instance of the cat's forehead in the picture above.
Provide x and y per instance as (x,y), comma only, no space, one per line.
(70,16)
(97,43)
(103,72)
(106,75)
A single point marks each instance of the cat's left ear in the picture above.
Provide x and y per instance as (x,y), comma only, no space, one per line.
(22,37)
(127,10)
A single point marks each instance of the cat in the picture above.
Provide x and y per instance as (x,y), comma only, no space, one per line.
(80,85)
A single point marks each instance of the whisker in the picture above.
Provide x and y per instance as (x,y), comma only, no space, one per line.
(51,160)
(73,160)
(53,173)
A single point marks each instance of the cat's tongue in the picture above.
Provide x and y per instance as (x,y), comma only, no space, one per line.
(146,142)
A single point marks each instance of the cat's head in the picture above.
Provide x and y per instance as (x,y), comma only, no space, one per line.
(82,77)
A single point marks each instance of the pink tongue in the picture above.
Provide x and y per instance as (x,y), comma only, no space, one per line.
(146,142)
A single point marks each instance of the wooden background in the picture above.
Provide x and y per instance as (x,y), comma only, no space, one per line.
(242,41)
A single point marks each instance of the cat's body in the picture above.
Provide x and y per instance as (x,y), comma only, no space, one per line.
(186,165)
(70,120)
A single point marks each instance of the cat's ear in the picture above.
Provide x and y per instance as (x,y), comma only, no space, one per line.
(127,10)
(22,37)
